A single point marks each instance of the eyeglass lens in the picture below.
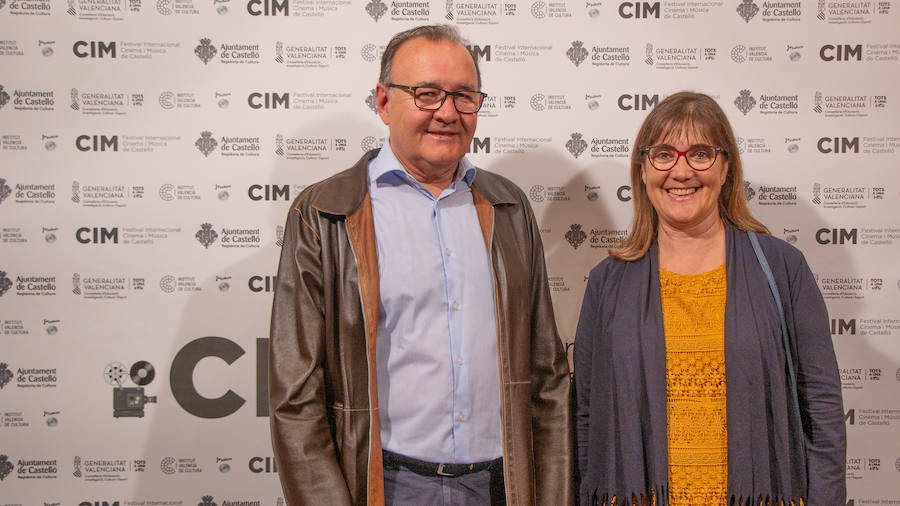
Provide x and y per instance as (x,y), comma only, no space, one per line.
(433,98)
(698,156)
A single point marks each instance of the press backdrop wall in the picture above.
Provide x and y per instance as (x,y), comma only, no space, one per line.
(149,151)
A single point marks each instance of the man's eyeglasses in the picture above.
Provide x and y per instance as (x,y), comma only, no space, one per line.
(699,156)
(432,99)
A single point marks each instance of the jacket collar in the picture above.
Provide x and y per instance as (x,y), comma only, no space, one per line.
(491,186)
(346,190)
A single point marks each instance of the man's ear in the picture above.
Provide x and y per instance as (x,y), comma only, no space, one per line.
(381,99)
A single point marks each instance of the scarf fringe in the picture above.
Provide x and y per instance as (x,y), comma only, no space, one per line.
(659,496)
(760,500)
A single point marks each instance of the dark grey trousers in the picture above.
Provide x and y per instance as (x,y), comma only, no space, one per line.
(403,487)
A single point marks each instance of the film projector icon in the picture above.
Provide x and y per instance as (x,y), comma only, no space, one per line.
(130,401)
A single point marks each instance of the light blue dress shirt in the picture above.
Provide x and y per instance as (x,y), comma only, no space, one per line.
(436,354)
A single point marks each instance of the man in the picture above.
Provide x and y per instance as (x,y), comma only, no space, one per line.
(414,356)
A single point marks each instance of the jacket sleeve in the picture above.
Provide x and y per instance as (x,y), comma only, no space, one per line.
(585,335)
(550,396)
(818,390)
(301,435)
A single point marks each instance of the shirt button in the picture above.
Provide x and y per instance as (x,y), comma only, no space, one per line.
(455,306)
(459,360)
(460,417)
(447,251)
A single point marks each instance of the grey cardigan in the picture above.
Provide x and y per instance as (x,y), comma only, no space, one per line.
(620,381)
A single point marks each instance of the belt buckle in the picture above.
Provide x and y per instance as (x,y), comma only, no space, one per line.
(441,472)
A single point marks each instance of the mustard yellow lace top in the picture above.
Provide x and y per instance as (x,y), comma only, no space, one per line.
(693,310)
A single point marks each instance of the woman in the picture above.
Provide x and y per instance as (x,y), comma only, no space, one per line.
(684,391)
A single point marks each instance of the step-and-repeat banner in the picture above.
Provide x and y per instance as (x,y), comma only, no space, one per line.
(149,150)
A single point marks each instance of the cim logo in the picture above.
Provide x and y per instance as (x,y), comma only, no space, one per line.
(838,145)
(482,144)
(840,326)
(850,419)
(637,102)
(97,143)
(841,52)
(261,283)
(268,8)
(94,49)
(269,100)
(259,192)
(181,377)
(262,465)
(479,53)
(97,235)
(624,193)
(639,10)
(836,236)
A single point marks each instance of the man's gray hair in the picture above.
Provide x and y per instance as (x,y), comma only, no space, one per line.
(434,33)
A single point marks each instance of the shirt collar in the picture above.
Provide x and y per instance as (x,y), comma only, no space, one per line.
(386,164)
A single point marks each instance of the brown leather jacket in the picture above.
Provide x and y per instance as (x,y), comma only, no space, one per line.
(322,386)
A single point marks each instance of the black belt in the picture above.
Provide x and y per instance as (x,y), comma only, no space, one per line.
(394,461)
